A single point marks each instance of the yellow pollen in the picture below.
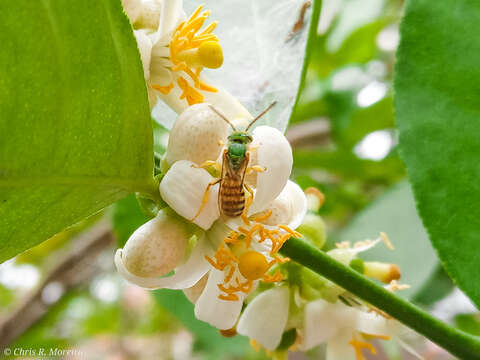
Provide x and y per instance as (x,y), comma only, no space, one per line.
(263,217)
(163,89)
(190,51)
(253,265)
(250,264)
(359,346)
(373,336)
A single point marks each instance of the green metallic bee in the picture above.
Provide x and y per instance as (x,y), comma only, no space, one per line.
(231,195)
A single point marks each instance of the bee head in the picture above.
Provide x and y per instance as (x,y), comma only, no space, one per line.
(240,137)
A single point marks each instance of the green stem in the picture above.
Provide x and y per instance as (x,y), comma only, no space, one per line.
(457,342)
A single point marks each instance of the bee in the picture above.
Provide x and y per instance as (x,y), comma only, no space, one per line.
(235,159)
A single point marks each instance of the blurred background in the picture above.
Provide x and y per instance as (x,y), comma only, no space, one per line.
(66,293)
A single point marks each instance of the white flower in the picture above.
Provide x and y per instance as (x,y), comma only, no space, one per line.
(195,139)
(265,318)
(347,330)
(235,253)
(174,50)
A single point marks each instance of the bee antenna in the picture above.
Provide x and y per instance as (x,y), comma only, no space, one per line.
(261,114)
(222,116)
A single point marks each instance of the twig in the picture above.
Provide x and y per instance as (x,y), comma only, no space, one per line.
(75,267)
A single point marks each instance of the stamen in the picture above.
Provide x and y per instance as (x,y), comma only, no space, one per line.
(263,217)
(374,336)
(387,241)
(395,286)
(191,50)
(163,89)
(255,345)
(359,346)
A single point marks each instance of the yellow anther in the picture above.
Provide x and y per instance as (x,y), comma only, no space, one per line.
(253,265)
(163,89)
(190,51)
(359,346)
(229,332)
(382,271)
(374,336)
(210,54)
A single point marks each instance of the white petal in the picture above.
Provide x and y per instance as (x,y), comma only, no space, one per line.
(185,276)
(275,154)
(320,323)
(133,9)
(228,105)
(338,348)
(196,135)
(158,246)
(289,208)
(265,317)
(371,323)
(145,47)
(171,15)
(183,188)
(222,314)
(150,15)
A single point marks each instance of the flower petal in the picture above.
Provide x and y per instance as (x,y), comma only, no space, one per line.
(275,154)
(132,8)
(371,323)
(288,208)
(183,188)
(185,276)
(228,105)
(265,317)
(158,246)
(171,15)
(145,47)
(338,348)
(222,314)
(320,323)
(196,135)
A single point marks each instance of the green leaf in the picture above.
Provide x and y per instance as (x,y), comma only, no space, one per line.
(75,127)
(437,113)
(127,217)
(394,213)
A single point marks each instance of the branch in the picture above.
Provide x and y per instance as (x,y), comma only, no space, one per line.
(457,342)
(76,267)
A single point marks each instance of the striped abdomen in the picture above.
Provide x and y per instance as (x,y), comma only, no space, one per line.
(232,196)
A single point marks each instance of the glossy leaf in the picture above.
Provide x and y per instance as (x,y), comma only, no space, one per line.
(437,113)
(394,213)
(75,131)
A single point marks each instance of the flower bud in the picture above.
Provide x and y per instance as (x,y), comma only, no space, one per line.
(313,229)
(133,9)
(315,199)
(157,246)
(382,271)
(196,135)
(149,16)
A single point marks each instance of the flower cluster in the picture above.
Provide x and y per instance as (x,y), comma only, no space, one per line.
(231,207)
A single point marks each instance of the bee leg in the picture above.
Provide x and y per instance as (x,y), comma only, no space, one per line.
(206,195)
(244,215)
(207,164)
(256,168)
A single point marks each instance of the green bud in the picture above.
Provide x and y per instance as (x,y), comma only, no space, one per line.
(358,265)
(313,229)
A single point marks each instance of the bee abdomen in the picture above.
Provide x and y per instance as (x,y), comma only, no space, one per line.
(233,201)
